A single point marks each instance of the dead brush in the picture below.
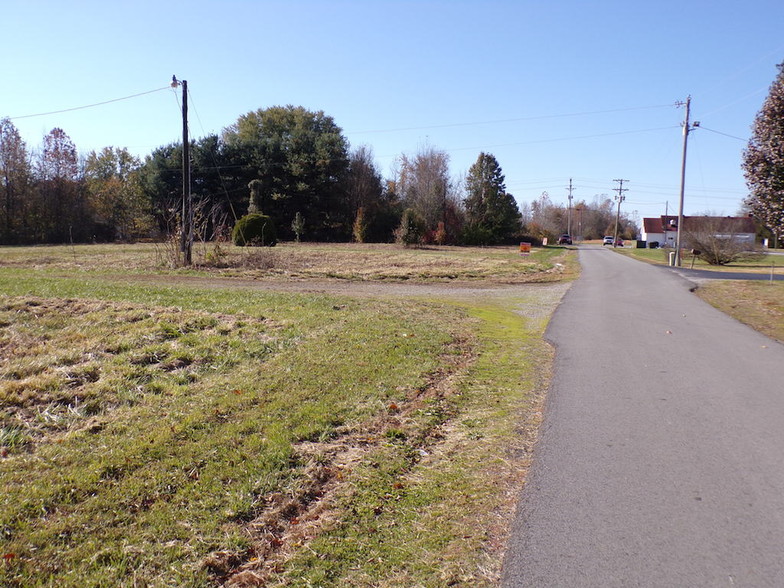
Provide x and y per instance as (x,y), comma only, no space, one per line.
(260,258)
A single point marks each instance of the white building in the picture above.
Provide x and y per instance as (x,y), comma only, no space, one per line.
(664,229)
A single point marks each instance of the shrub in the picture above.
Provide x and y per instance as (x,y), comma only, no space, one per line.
(411,229)
(254,229)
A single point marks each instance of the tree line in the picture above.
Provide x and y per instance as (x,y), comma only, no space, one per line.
(305,177)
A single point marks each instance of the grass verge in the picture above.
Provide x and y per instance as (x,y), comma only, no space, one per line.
(766,264)
(758,304)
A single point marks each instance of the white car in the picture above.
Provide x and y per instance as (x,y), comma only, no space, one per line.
(608,240)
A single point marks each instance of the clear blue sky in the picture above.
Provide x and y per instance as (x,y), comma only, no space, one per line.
(554,89)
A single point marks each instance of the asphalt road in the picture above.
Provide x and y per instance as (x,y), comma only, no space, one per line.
(661,457)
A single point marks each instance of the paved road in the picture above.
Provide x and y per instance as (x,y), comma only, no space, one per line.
(661,458)
(700,275)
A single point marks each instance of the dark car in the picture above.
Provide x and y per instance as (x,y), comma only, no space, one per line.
(564,240)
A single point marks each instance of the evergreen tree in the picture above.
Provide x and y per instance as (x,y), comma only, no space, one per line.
(763,160)
(15,181)
(491,212)
(301,161)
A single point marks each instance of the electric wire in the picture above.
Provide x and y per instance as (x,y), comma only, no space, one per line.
(88,105)
(509,120)
(704,128)
(216,167)
(599,184)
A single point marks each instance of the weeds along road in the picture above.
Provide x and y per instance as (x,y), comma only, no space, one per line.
(661,457)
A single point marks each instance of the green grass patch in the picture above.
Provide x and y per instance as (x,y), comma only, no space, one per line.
(434,510)
(141,436)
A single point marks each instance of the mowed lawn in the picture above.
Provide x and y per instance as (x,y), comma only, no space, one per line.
(161,431)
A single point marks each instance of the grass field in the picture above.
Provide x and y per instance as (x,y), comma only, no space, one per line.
(170,432)
(369,262)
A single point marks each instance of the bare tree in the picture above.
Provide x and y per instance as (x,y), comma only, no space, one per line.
(424,185)
(718,240)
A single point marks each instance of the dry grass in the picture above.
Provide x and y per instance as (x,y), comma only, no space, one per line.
(346,261)
(758,304)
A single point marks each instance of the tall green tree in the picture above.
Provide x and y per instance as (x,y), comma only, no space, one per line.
(218,187)
(301,159)
(492,214)
(160,178)
(763,160)
(15,181)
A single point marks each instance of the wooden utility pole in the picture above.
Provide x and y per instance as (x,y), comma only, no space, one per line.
(683,182)
(620,198)
(569,214)
(186,219)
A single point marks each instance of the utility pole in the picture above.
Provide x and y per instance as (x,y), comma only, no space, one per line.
(620,198)
(569,214)
(186,217)
(686,129)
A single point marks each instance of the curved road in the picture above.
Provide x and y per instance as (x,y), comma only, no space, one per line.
(661,456)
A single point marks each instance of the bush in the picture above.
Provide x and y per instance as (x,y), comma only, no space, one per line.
(411,229)
(254,229)
(476,234)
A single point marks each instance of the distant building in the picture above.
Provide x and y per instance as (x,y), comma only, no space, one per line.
(664,229)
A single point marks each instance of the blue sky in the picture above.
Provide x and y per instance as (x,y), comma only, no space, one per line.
(555,90)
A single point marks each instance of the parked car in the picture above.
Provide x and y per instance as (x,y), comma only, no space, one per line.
(564,240)
(608,240)
(619,242)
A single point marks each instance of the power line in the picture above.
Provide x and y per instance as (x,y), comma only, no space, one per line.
(508,120)
(704,128)
(88,105)
(558,139)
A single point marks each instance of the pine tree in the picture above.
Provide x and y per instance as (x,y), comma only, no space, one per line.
(492,213)
(763,160)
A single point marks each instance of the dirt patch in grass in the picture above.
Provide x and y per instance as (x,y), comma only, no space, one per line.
(289,523)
